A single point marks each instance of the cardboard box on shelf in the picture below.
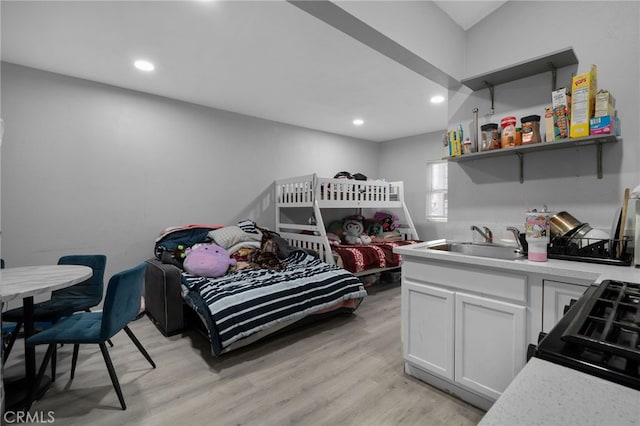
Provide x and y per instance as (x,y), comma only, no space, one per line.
(605,125)
(605,104)
(549,135)
(583,94)
(561,103)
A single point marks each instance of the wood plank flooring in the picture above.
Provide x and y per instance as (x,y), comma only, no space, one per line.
(342,371)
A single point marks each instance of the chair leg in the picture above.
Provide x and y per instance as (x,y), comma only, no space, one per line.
(74,359)
(12,340)
(31,396)
(112,374)
(54,357)
(139,345)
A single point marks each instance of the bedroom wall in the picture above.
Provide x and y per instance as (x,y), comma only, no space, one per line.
(603,33)
(88,167)
(406,159)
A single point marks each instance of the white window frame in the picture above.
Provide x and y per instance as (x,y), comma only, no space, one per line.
(442,189)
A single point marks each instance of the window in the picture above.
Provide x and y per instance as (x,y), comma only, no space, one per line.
(437,184)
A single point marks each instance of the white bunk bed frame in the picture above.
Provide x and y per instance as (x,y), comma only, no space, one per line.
(311,191)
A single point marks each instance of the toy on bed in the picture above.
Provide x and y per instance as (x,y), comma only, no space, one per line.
(353,231)
(389,222)
(207,260)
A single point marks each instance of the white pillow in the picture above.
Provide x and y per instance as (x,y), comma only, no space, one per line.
(231,235)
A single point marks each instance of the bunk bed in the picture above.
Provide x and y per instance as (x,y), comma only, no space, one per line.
(300,205)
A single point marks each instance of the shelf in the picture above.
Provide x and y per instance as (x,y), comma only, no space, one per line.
(541,64)
(519,151)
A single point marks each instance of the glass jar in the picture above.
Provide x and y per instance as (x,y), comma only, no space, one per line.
(490,137)
(508,136)
(530,129)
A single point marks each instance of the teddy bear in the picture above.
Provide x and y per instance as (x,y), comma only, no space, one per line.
(207,260)
(353,231)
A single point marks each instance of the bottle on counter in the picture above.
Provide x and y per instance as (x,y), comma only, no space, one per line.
(538,231)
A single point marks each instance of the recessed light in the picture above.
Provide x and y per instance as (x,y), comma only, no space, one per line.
(437,99)
(358,122)
(144,65)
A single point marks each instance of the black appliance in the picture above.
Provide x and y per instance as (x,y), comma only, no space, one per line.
(599,334)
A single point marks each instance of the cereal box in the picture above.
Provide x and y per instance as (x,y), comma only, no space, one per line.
(583,94)
(548,125)
(561,103)
(605,104)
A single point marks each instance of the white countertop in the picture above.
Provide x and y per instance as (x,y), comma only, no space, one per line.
(544,393)
(559,268)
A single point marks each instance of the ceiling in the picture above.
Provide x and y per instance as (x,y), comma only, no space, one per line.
(268,59)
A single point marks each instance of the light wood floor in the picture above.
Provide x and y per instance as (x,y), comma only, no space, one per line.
(342,371)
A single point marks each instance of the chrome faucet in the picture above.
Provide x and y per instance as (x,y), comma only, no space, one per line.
(486,234)
(516,236)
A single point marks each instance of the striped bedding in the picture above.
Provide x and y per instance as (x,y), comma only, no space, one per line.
(250,301)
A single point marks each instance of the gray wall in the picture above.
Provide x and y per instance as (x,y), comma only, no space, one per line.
(602,33)
(90,168)
(488,192)
(406,160)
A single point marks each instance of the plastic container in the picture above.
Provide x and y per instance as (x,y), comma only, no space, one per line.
(508,136)
(489,137)
(537,234)
(531,129)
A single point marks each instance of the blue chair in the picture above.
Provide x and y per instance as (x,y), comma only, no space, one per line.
(63,302)
(121,306)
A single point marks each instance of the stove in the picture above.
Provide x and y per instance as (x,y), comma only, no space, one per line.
(599,334)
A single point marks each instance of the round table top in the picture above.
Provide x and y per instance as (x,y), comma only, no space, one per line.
(28,281)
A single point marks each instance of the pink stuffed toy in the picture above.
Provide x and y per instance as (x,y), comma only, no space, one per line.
(208,260)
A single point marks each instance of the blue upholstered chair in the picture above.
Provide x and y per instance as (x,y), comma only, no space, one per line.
(121,306)
(63,302)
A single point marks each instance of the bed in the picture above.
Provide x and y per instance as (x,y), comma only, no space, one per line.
(302,202)
(249,302)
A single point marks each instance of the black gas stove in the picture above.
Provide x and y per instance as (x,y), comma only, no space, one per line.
(599,334)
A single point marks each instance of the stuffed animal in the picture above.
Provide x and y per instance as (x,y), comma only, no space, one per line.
(207,260)
(389,222)
(353,231)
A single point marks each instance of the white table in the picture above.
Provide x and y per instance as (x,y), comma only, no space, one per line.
(26,282)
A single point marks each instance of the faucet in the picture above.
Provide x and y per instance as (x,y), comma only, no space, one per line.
(516,235)
(486,234)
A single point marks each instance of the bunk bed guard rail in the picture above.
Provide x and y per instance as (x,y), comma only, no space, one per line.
(314,192)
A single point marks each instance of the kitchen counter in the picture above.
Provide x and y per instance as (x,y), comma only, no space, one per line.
(558,268)
(544,393)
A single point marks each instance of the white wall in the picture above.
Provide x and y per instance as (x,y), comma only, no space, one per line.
(420,26)
(606,34)
(406,160)
(91,168)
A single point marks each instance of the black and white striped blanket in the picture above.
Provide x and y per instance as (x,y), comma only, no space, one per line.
(248,301)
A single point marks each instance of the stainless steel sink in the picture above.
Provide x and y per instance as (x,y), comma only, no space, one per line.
(492,250)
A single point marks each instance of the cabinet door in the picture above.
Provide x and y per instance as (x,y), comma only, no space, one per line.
(490,343)
(555,296)
(427,327)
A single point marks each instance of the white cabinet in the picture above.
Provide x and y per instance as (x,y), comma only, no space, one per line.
(490,342)
(555,296)
(466,337)
(428,328)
